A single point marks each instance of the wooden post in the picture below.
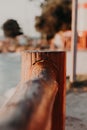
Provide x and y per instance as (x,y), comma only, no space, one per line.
(58,59)
(39,101)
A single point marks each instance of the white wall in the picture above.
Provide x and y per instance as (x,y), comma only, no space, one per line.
(21,10)
(82,16)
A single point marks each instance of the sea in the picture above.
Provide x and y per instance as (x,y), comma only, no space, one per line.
(10,71)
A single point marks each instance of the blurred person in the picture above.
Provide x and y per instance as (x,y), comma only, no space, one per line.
(61,40)
(14,35)
(58,41)
(68,39)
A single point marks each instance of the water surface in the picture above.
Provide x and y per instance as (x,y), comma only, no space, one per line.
(10,66)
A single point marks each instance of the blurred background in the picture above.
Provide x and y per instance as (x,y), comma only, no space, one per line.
(45,25)
(24,11)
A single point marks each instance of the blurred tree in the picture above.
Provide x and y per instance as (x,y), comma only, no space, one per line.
(56,16)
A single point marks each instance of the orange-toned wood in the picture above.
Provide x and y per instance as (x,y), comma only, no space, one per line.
(39,100)
(58,59)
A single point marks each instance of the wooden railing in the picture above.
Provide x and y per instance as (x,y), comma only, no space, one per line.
(39,100)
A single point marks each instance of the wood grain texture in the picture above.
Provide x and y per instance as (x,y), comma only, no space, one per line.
(58,60)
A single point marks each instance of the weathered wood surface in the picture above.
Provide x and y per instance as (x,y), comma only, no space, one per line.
(58,60)
(38,103)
